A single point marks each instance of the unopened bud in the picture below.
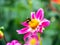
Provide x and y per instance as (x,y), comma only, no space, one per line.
(1,35)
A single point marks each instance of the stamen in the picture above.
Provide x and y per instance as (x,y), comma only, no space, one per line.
(33,23)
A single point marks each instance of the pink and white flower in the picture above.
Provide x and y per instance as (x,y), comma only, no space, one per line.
(13,42)
(33,40)
(36,24)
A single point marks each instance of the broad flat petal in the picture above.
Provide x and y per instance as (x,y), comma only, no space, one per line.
(23,30)
(32,15)
(40,14)
(45,23)
(24,23)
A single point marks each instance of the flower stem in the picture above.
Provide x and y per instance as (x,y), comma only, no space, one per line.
(5,39)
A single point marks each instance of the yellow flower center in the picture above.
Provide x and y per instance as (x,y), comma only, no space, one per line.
(33,41)
(33,23)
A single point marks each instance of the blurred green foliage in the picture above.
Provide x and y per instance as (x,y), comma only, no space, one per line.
(13,12)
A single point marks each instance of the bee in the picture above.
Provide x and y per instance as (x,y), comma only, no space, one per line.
(28,20)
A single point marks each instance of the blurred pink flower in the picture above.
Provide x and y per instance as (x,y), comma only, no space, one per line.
(36,24)
(14,42)
(33,40)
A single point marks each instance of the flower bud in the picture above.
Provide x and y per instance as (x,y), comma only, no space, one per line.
(1,35)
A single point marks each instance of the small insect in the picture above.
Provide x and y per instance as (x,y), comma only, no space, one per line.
(28,20)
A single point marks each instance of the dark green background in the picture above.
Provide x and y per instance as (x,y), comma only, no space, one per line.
(13,12)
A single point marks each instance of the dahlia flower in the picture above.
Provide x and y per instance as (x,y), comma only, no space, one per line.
(33,40)
(35,24)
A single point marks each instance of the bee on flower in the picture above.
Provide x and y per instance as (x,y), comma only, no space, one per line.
(35,24)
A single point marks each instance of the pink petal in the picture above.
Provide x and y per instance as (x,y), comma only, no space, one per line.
(40,14)
(32,15)
(26,44)
(14,42)
(17,44)
(8,43)
(25,23)
(26,35)
(23,31)
(35,36)
(41,29)
(45,23)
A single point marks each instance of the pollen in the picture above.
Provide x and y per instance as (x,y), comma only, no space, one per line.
(33,23)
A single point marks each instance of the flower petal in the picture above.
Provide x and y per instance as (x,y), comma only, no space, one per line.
(26,44)
(32,15)
(35,36)
(40,14)
(23,31)
(8,43)
(45,23)
(41,29)
(17,44)
(25,23)
(14,41)
(26,35)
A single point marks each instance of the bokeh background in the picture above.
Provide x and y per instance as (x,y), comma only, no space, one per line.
(13,12)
